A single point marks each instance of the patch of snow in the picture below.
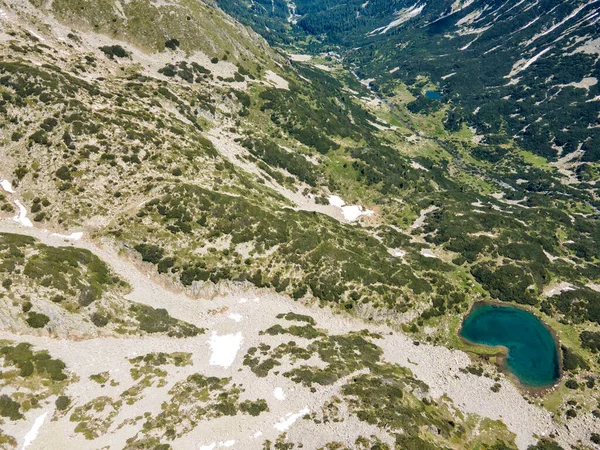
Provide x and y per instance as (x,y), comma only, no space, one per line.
(404,15)
(209,446)
(559,24)
(37,36)
(22,217)
(243,300)
(257,434)
(33,431)
(7,186)
(224,348)
(395,69)
(464,47)
(445,77)
(521,65)
(351,213)
(528,25)
(279,394)
(227,443)
(71,237)
(427,253)
(334,200)
(289,419)
(236,317)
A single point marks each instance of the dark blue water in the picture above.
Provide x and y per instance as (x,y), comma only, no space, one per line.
(434,95)
(532,351)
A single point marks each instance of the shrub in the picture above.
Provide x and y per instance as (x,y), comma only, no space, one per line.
(64,173)
(9,408)
(114,50)
(62,402)
(39,137)
(572,361)
(99,320)
(572,384)
(172,44)
(150,253)
(37,320)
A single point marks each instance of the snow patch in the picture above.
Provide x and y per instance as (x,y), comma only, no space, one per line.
(428,253)
(257,434)
(236,317)
(7,186)
(279,394)
(523,65)
(404,15)
(33,431)
(71,237)
(289,419)
(224,348)
(209,446)
(22,217)
(350,212)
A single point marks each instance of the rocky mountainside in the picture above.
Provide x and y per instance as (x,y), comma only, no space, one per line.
(174,166)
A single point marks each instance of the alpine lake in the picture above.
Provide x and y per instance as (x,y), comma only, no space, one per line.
(530,349)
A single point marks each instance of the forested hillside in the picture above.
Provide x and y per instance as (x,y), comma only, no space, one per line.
(513,70)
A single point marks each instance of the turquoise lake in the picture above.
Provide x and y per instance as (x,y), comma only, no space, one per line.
(434,95)
(532,351)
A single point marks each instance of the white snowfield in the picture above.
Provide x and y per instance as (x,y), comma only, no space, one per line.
(70,237)
(279,394)
(224,348)
(21,218)
(236,317)
(34,430)
(289,419)
(351,212)
(7,186)
(404,15)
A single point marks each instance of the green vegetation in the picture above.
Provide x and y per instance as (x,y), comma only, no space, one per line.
(29,377)
(153,320)
(197,398)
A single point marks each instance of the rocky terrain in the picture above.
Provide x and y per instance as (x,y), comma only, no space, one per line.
(210,242)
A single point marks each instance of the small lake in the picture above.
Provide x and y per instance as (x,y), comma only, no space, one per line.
(532,351)
(434,95)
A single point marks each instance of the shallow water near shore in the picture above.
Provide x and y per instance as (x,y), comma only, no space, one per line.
(532,349)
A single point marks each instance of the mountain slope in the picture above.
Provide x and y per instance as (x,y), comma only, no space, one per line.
(256,176)
(522,70)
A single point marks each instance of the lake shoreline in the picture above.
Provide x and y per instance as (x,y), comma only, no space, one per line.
(502,354)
